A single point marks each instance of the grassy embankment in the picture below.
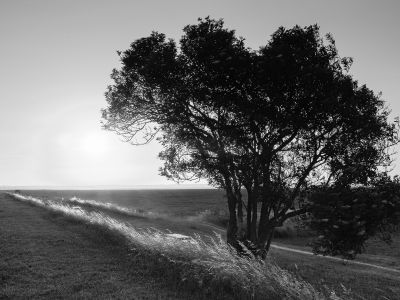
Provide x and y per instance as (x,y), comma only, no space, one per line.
(45,255)
(53,254)
(358,282)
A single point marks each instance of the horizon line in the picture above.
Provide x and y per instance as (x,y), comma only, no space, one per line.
(106,187)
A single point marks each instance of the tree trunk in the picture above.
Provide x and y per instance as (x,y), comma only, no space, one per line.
(265,236)
(232,224)
(240,209)
(271,236)
(239,214)
(264,216)
(248,217)
(253,229)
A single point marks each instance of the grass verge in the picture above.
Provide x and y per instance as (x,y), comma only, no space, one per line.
(45,255)
(212,270)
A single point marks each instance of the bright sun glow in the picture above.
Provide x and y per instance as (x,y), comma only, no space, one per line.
(94,144)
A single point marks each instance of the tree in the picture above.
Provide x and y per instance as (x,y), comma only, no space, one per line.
(275,122)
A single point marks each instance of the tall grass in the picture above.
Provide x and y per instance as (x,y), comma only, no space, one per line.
(208,264)
(114,208)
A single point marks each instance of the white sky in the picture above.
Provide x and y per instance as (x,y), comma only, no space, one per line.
(56,57)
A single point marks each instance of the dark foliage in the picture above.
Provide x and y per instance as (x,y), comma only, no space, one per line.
(346,217)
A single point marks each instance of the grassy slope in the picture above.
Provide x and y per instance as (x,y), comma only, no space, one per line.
(44,255)
(134,276)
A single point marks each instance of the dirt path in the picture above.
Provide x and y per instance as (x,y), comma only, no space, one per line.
(44,255)
(290,249)
(354,262)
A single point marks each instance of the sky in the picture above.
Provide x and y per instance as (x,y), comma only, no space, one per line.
(56,57)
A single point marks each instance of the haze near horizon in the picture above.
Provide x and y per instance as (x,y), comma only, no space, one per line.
(57,56)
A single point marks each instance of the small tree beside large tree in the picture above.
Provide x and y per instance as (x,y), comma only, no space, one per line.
(275,122)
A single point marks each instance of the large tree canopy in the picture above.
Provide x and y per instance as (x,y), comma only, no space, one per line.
(277,121)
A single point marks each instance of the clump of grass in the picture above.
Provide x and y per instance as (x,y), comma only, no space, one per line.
(212,265)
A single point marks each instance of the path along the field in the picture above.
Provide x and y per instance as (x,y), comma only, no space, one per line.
(290,249)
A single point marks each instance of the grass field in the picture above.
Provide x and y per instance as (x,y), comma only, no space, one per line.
(46,255)
(64,257)
(67,251)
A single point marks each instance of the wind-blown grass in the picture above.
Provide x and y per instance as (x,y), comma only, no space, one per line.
(215,217)
(115,208)
(210,265)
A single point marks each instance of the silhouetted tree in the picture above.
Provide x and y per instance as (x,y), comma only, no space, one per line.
(276,122)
